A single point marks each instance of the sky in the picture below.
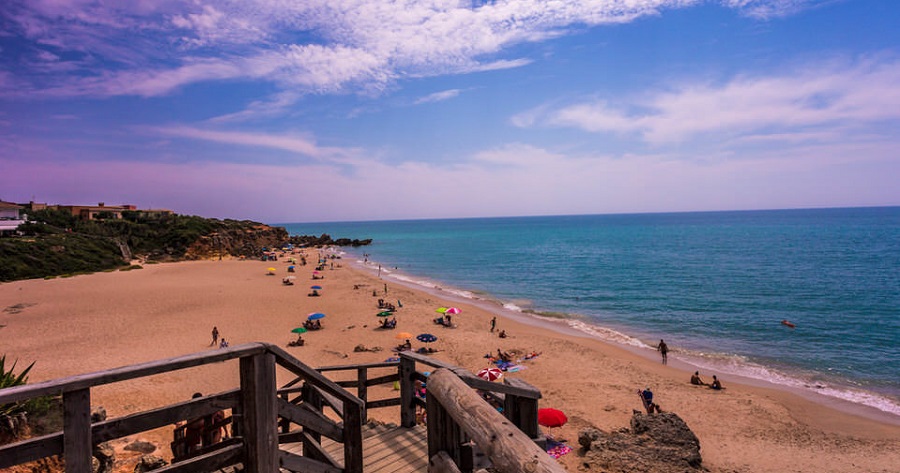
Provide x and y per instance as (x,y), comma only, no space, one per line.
(345,110)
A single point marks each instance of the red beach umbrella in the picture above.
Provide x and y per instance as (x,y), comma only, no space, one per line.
(490,374)
(550,417)
(452,311)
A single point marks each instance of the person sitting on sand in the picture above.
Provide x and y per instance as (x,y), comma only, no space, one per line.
(716,384)
(696,381)
(223,343)
(404,346)
(504,356)
(424,350)
(299,342)
(503,334)
(647,399)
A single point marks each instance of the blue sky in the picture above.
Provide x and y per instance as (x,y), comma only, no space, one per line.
(373,110)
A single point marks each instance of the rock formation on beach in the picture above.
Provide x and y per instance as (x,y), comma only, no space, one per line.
(655,442)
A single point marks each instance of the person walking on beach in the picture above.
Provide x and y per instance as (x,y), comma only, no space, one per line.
(493,324)
(664,351)
(215,336)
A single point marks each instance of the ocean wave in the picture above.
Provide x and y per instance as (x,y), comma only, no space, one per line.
(711,362)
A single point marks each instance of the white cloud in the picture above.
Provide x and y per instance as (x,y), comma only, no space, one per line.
(835,94)
(439,96)
(295,144)
(307,47)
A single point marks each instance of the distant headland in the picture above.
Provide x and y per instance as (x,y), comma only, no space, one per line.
(41,241)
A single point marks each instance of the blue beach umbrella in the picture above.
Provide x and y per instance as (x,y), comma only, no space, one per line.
(317,288)
(426,338)
(315,316)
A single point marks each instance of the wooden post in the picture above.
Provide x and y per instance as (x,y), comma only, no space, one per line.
(407,369)
(509,449)
(521,410)
(353,452)
(285,424)
(77,430)
(260,422)
(313,399)
(444,434)
(361,388)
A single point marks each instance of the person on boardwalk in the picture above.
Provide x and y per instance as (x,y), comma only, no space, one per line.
(215,336)
(664,351)
(493,324)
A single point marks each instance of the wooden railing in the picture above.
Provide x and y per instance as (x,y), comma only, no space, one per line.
(255,408)
(265,416)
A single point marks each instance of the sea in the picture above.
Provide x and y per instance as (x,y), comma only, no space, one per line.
(715,285)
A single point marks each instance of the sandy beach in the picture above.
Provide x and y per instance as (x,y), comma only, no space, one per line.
(105,320)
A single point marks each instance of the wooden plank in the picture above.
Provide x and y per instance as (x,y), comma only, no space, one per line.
(77,430)
(390,378)
(31,450)
(292,462)
(407,392)
(362,390)
(441,463)
(221,458)
(313,449)
(508,448)
(73,383)
(310,418)
(155,418)
(289,362)
(383,403)
(260,421)
(353,443)
(332,401)
(380,364)
(399,449)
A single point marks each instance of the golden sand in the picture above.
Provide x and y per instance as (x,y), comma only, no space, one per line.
(95,322)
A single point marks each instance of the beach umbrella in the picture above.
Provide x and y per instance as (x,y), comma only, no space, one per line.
(452,311)
(426,338)
(403,336)
(490,374)
(550,417)
(271,270)
(316,288)
(315,316)
(299,330)
(385,314)
(441,310)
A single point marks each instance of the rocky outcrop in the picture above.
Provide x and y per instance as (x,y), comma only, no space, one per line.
(243,241)
(326,240)
(655,442)
(149,463)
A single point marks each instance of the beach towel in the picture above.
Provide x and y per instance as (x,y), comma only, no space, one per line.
(557,449)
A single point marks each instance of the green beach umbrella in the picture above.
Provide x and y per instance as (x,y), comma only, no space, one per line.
(441,310)
(299,330)
(384,314)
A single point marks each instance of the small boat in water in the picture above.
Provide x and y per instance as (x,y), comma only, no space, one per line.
(787,323)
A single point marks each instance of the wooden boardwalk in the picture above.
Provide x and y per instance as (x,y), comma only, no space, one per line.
(385,449)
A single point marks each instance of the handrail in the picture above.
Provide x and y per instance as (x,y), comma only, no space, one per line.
(456,413)
(98,378)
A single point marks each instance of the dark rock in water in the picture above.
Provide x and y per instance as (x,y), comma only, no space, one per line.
(148,463)
(656,442)
(141,446)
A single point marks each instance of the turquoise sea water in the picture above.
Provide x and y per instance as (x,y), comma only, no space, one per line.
(715,285)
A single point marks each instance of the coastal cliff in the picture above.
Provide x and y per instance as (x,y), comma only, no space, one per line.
(55,243)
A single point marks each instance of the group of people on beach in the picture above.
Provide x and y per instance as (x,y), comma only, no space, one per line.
(215,339)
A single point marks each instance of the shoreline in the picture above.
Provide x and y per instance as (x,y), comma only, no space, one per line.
(687,364)
(105,320)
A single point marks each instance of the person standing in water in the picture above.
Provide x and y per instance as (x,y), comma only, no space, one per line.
(664,351)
